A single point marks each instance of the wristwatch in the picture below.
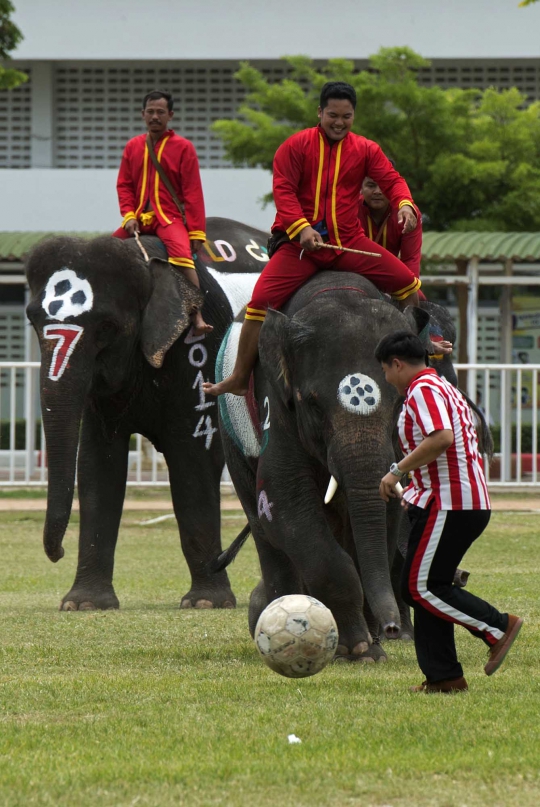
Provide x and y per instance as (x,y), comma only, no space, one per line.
(395,470)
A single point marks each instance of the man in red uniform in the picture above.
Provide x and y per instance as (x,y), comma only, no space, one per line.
(318,175)
(449,508)
(146,204)
(380,223)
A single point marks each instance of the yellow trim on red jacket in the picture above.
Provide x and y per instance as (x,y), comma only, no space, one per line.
(299,229)
(295,224)
(319,177)
(128,217)
(257,314)
(156,184)
(144,180)
(406,202)
(334,194)
(369,228)
(184,263)
(408,290)
(197,235)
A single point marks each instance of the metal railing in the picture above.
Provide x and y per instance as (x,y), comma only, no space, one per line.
(506,393)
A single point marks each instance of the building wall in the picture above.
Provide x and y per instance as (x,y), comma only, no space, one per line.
(79,199)
(267,29)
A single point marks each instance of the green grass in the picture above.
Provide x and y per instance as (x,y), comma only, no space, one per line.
(155,706)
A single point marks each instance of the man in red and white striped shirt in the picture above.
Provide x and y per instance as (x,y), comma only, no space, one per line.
(448,506)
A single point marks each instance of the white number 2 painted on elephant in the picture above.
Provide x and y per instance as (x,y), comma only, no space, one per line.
(266,404)
(197,357)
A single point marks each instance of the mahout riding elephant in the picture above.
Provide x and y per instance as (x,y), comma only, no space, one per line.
(321,407)
(119,357)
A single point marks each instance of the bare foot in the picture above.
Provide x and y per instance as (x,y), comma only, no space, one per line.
(233,385)
(199,325)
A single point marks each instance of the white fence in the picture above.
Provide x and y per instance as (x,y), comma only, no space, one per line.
(506,393)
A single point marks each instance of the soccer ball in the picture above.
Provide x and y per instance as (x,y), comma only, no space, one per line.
(296,635)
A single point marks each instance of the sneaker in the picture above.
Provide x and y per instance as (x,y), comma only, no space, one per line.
(498,652)
(448,686)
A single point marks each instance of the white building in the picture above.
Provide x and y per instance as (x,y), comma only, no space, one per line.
(90,64)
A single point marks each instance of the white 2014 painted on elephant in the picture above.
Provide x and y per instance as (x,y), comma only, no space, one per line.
(197,357)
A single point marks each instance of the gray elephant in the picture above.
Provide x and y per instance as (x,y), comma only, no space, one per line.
(321,407)
(118,357)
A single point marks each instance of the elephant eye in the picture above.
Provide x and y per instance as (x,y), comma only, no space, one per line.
(106,331)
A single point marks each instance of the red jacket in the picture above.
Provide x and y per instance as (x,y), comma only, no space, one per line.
(408,247)
(139,183)
(315,179)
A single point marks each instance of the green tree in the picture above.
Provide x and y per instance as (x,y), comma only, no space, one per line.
(527,3)
(10,36)
(469,156)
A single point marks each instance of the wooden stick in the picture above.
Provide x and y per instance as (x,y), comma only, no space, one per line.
(139,244)
(347,249)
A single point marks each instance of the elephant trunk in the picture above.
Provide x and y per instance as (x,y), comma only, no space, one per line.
(368,521)
(62,408)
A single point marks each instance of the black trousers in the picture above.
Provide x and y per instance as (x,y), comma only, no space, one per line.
(437,543)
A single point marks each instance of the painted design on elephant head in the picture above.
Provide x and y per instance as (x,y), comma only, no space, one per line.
(67,295)
(67,336)
(264,507)
(359,394)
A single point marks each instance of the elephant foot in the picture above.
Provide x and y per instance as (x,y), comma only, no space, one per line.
(362,653)
(204,598)
(82,599)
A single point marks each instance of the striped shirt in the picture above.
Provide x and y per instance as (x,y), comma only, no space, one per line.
(455,479)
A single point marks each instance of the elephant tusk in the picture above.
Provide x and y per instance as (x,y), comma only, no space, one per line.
(332,487)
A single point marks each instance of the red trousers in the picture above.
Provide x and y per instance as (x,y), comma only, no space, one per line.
(175,238)
(289,269)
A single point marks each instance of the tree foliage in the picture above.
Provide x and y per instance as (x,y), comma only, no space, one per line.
(471,157)
(10,36)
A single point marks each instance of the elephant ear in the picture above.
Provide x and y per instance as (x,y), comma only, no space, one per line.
(279,341)
(273,353)
(419,321)
(167,312)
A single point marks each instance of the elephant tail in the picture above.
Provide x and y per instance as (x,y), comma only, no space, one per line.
(228,555)
(485,439)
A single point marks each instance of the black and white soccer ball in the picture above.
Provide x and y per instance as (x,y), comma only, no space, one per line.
(296,635)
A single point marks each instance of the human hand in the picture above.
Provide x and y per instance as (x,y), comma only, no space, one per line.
(196,245)
(132,227)
(387,488)
(310,239)
(443,347)
(407,216)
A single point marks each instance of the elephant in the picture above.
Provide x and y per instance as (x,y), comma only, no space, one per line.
(119,357)
(320,407)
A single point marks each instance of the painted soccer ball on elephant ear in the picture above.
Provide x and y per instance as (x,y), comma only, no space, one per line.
(296,635)
(359,394)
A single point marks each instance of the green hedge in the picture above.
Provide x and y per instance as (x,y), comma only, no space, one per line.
(526,438)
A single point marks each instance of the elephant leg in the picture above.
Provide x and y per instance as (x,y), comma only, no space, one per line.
(407,630)
(195,479)
(301,532)
(102,474)
(279,577)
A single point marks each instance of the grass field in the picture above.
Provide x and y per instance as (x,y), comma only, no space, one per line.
(155,706)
